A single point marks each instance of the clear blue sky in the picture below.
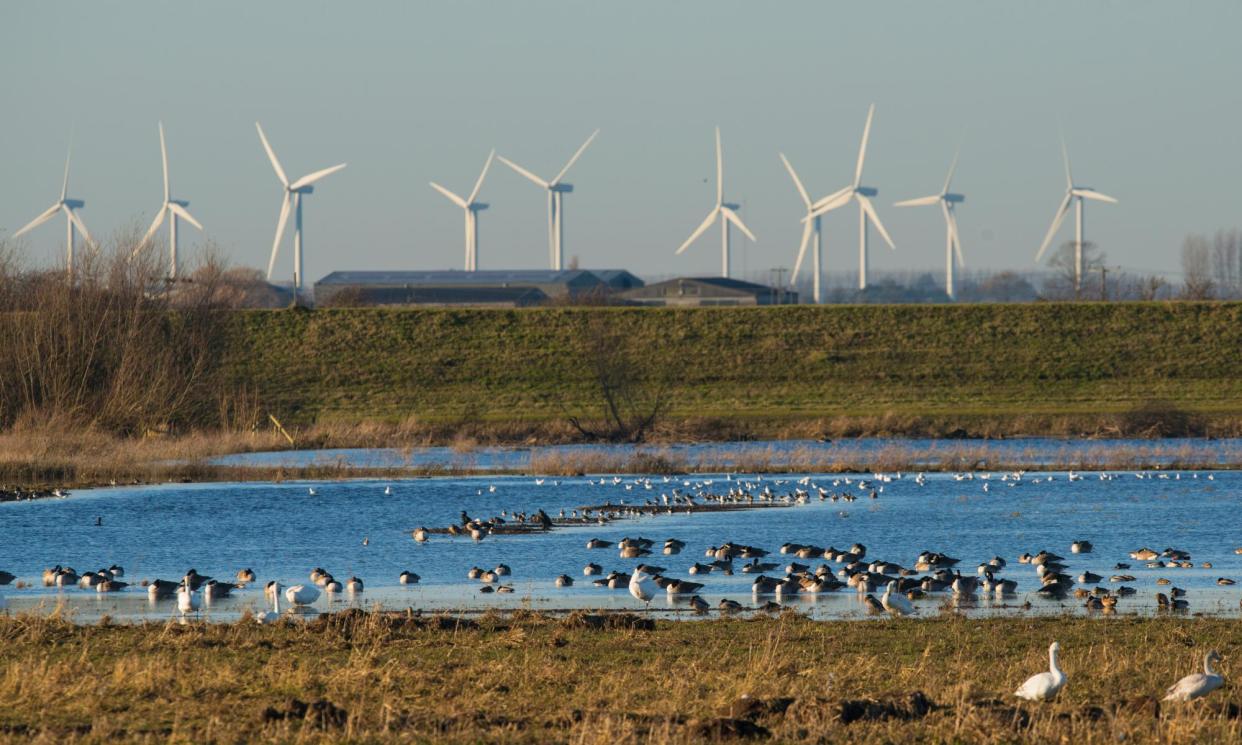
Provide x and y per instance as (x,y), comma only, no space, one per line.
(408,92)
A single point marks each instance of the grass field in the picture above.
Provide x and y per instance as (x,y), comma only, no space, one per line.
(582,679)
(1048,368)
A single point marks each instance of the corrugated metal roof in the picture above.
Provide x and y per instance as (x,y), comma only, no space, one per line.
(487,277)
(723,282)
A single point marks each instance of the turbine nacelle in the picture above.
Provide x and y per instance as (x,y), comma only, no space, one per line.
(73,204)
(866,191)
(954,198)
(562,188)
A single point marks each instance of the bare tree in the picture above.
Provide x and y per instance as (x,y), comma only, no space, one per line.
(1227,262)
(1065,282)
(632,392)
(1197,281)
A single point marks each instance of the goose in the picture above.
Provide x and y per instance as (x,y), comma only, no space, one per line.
(894,603)
(1197,685)
(300,594)
(504,588)
(682,587)
(114,570)
(331,586)
(214,590)
(697,568)
(1044,686)
(589,570)
(598,543)
(353,584)
(160,589)
(1089,578)
(487,588)
(964,585)
(1081,547)
(640,588)
(488,577)
(270,616)
(245,576)
(616,580)
(420,534)
(194,579)
(408,578)
(1224,581)
(187,601)
(324,579)
(503,570)
(111,585)
(634,552)
(564,580)
(699,605)
(1144,554)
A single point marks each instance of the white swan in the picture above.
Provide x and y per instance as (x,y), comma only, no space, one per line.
(1044,686)
(273,615)
(894,602)
(302,594)
(187,601)
(1197,685)
(640,587)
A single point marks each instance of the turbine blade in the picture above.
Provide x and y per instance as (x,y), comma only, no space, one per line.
(806,198)
(47,214)
(271,155)
(957,238)
(707,223)
(64,185)
(81,226)
(184,214)
(952,167)
(164,158)
(1093,194)
(920,202)
(1062,211)
(522,171)
(574,159)
(155,225)
(1069,175)
(479,184)
(313,177)
(732,217)
(280,233)
(807,227)
(875,219)
(719,170)
(830,203)
(452,197)
(862,149)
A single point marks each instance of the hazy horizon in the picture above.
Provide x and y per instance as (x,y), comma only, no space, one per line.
(408,93)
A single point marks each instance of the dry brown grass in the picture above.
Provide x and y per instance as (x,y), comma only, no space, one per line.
(527,678)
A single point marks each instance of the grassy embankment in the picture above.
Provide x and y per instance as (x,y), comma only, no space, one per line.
(532,679)
(1057,368)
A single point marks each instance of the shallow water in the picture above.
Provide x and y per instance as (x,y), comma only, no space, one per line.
(282,531)
(1035,451)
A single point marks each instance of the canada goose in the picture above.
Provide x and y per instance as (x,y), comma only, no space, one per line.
(634,552)
(1144,554)
(408,578)
(1044,686)
(161,589)
(476,572)
(1224,581)
(114,570)
(1081,547)
(214,590)
(194,579)
(488,577)
(420,534)
(588,570)
(1197,685)
(682,587)
(265,617)
(597,543)
(245,576)
(353,584)
(111,585)
(324,579)
(332,586)
(964,585)
(564,581)
(617,580)
(697,568)
(502,570)
(89,580)
(1089,578)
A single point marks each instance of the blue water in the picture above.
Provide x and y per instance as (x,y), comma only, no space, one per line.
(282,531)
(1021,451)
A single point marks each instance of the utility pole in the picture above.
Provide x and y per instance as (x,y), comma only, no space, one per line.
(1104,283)
(780,276)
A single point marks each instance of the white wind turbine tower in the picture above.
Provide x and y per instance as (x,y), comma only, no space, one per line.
(556,206)
(293,197)
(866,211)
(472,209)
(72,221)
(811,225)
(727,213)
(1072,193)
(953,243)
(172,209)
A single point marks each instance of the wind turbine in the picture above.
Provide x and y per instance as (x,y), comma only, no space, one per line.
(293,196)
(1072,193)
(72,221)
(172,209)
(556,194)
(866,211)
(810,225)
(953,244)
(472,209)
(727,213)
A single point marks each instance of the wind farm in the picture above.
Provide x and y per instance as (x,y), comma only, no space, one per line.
(811,422)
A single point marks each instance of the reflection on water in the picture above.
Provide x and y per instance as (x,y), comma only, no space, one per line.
(283,531)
